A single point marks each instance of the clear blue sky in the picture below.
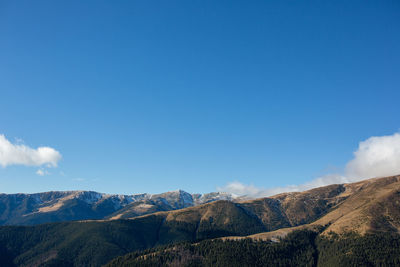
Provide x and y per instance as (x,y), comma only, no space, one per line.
(151,96)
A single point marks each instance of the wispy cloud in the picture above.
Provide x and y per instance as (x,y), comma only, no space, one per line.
(42,172)
(377,156)
(20,154)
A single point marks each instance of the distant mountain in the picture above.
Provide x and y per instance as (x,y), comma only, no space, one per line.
(368,207)
(30,209)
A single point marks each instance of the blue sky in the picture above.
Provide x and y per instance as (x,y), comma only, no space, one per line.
(151,96)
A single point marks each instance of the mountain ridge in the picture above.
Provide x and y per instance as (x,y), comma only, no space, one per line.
(53,206)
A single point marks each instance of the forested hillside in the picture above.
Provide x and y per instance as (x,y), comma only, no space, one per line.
(299,248)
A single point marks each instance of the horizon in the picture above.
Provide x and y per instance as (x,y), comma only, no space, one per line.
(194,193)
(246,98)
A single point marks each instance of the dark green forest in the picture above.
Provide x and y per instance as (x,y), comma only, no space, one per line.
(300,248)
(135,243)
(95,243)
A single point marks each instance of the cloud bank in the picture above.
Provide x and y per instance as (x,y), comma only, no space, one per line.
(19,154)
(377,156)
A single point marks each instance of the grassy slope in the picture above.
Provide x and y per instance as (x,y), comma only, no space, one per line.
(370,206)
(375,207)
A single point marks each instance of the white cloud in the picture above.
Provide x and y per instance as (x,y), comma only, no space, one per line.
(240,189)
(375,157)
(20,154)
(251,191)
(42,172)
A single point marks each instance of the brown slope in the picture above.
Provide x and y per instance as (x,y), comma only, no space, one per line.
(373,205)
(364,207)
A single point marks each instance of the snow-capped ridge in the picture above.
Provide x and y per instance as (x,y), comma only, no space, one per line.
(78,205)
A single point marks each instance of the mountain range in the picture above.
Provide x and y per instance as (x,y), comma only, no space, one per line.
(363,208)
(30,209)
